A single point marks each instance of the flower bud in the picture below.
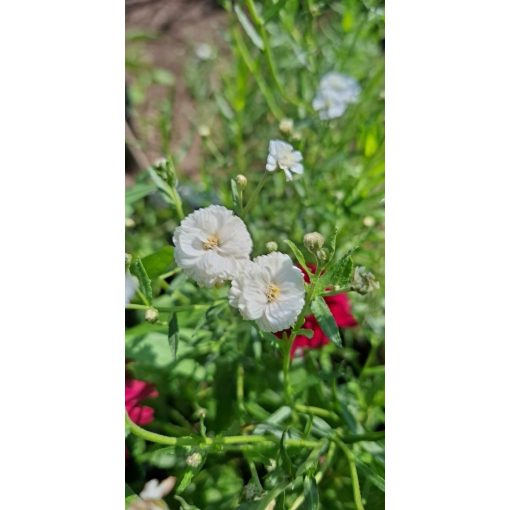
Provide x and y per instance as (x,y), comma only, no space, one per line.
(322,254)
(163,166)
(151,315)
(271,246)
(204,131)
(241,181)
(363,281)
(369,221)
(286,126)
(313,241)
(194,459)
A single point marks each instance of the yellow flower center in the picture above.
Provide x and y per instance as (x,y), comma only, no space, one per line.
(211,243)
(272,293)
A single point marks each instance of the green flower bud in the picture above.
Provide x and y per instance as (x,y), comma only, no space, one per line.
(241,181)
(204,131)
(313,241)
(151,315)
(286,126)
(271,246)
(194,459)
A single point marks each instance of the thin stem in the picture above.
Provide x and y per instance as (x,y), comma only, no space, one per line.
(287,346)
(317,411)
(254,195)
(178,308)
(215,441)
(354,475)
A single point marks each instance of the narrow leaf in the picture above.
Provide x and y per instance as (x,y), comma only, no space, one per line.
(326,320)
(249,28)
(298,254)
(139,271)
(173,333)
(285,459)
(235,194)
(311,494)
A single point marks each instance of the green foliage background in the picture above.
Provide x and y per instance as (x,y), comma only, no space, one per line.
(226,378)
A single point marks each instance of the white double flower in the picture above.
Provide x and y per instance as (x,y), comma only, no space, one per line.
(212,246)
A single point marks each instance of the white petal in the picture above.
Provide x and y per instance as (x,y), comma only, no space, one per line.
(297,168)
(288,174)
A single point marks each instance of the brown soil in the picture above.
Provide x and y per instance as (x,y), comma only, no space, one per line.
(180,25)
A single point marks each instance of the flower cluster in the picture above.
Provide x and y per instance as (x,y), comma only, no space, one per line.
(335,92)
(213,246)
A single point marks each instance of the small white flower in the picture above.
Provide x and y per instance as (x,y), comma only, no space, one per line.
(131,286)
(335,93)
(282,155)
(270,290)
(153,493)
(211,244)
(204,51)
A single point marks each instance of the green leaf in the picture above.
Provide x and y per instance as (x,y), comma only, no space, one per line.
(173,333)
(249,28)
(138,270)
(285,459)
(159,262)
(305,332)
(341,272)
(139,191)
(235,194)
(311,494)
(274,10)
(298,254)
(130,496)
(326,320)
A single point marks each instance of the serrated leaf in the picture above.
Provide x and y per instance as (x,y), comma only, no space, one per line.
(326,320)
(173,334)
(311,494)
(159,262)
(138,270)
(248,28)
(341,272)
(298,254)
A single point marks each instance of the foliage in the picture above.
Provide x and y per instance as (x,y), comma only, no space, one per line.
(218,377)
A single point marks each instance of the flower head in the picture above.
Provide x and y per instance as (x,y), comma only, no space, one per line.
(131,286)
(211,244)
(339,307)
(270,290)
(313,241)
(135,392)
(151,497)
(335,93)
(282,155)
(363,281)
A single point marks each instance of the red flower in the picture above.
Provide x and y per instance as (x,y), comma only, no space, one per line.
(340,309)
(135,392)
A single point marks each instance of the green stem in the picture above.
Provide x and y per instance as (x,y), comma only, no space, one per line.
(215,441)
(254,195)
(354,475)
(286,346)
(316,411)
(178,308)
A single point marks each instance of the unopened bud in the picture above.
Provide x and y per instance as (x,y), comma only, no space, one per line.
(368,221)
(130,223)
(363,281)
(286,126)
(322,255)
(151,315)
(313,241)
(271,246)
(241,181)
(164,166)
(194,459)
(204,131)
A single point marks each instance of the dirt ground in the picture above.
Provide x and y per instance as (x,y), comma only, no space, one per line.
(180,26)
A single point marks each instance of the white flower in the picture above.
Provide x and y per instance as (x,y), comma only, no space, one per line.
(131,286)
(211,244)
(335,93)
(270,290)
(153,494)
(282,155)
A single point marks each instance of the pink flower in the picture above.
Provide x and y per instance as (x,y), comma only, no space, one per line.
(135,392)
(340,309)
